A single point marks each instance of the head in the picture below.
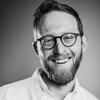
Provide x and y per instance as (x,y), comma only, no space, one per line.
(59,40)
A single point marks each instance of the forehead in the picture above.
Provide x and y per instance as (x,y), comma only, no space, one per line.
(57,22)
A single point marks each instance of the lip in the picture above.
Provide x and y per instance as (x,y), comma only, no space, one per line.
(61,61)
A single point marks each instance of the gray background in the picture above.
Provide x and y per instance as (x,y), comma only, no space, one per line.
(17,58)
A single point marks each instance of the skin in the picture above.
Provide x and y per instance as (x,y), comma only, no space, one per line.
(56,23)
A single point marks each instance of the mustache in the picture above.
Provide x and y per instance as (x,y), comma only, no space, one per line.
(60,56)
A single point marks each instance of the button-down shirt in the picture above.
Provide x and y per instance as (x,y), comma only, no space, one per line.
(34,88)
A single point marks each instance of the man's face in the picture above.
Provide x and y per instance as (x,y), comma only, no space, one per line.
(60,62)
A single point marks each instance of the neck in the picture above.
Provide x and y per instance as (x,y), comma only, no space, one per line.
(62,91)
(58,91)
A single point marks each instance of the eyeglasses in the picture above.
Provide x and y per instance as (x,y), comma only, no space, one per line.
(48,42)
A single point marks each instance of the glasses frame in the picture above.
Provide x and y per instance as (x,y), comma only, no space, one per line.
(55,39)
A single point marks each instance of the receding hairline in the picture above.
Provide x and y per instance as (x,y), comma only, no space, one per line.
(48,6)
(42,19)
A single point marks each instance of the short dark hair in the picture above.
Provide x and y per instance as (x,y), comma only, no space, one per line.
(53,5)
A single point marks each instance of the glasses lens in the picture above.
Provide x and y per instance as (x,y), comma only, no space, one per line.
(68,39)
(47,42)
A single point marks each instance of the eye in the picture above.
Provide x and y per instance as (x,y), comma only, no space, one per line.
(68,36)
(47,42)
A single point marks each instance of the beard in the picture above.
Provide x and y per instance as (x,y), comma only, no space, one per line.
(61,77)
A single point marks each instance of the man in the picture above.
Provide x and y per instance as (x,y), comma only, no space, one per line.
(60,43)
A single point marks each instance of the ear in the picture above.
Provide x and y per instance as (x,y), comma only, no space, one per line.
(34,45)
(84,43)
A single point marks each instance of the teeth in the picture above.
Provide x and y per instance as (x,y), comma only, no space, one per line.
(61,61)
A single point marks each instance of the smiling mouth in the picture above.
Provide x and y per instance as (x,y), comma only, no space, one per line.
(61,61)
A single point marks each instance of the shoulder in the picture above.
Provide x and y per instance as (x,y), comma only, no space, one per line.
(86,94)
(21,83)
(20,90)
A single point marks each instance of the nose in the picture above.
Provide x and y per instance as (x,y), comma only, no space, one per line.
(59,47)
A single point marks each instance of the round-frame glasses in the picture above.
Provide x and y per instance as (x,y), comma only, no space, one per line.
(48,42)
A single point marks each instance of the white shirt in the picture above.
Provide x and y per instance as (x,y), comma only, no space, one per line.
(34,88)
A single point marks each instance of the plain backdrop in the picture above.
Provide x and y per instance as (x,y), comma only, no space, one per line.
(17,57)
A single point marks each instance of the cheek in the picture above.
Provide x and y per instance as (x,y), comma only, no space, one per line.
(76,49)
(46,53)
(43,54)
